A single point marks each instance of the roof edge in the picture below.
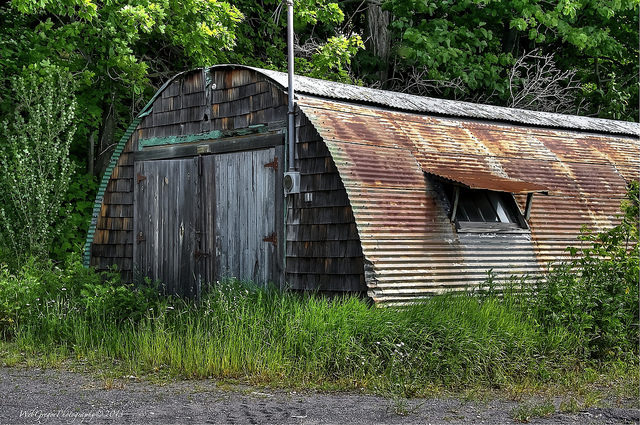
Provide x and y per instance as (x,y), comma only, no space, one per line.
(442,107)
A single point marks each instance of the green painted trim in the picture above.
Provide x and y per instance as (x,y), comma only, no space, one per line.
(190,138)
(86,257)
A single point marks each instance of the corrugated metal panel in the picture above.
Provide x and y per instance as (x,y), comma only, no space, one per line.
(411,249)
(480,179)
(408,102)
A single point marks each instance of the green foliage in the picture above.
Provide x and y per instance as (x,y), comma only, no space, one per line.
(262,38)
(475,42)
(240,330)
(74,217)
(38,291)
(596,293)
(331,61)
(35,167)
(113,47)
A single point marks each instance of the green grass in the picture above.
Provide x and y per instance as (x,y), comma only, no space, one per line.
(266,336)
(527,411)
(52,316)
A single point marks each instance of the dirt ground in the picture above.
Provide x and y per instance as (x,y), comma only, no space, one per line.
(31,396)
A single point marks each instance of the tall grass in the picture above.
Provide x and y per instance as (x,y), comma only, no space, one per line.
(242,331)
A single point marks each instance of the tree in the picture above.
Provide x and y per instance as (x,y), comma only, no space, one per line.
(323,46)
(35,168)
(465,49)
(116,50)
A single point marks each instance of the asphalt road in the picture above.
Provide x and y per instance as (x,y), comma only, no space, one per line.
(32,396)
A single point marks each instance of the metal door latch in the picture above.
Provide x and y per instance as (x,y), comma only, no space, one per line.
(273,164)
(272,238)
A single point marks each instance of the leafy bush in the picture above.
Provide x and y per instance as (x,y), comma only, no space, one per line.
(596,293)
(74,217)
(38,291)
(35,168)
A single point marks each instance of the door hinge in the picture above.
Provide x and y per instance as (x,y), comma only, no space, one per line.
(140,237)
(273,164)
(272,238)
(140,177)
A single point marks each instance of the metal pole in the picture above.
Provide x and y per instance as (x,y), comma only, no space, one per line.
(291,124)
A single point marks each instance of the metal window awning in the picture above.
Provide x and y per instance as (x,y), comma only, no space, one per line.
(478,179)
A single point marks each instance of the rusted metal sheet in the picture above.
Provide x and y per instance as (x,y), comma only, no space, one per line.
(411,249)
(480,179)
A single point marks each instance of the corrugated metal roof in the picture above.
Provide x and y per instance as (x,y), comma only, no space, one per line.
(410,246)
(479,179)
(422,104)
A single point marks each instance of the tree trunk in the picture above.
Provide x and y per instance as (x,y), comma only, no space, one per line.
(91,157)
(379,40)
(107,141)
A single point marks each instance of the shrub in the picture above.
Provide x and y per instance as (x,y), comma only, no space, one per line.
(37,292)
(74,217)
(35,167)
(596,293)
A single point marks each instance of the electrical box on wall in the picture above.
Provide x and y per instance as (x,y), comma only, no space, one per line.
(291,182)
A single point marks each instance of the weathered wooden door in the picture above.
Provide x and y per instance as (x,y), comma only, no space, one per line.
(167,223)
(240,207)
(203,219)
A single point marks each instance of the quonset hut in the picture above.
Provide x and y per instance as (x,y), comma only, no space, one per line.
(401,196)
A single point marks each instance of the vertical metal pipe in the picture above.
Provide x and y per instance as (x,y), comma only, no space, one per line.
(291,123)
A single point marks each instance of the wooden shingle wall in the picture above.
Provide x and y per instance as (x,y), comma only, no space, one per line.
(197,102)
(201,102)
(323,248)
(113,237)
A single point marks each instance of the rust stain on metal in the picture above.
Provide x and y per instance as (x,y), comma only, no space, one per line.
(410,247)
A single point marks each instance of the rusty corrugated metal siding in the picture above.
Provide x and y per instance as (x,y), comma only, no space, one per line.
(410,246)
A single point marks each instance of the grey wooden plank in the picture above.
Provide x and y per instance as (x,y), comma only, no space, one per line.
(163,216)
(138,222)
(192,205)
(208,198)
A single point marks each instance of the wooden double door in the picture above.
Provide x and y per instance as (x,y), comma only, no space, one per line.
(202,219)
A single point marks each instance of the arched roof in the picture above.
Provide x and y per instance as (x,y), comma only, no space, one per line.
(384,143)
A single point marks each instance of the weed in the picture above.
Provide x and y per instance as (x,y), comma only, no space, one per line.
(571,405)
(527,411)
(112,384)
(399,406)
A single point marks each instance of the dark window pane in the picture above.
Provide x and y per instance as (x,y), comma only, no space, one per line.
(470,208)
(486,209)
(503,207)
(483,206)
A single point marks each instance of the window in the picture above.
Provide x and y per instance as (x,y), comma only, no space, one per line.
(483,210)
